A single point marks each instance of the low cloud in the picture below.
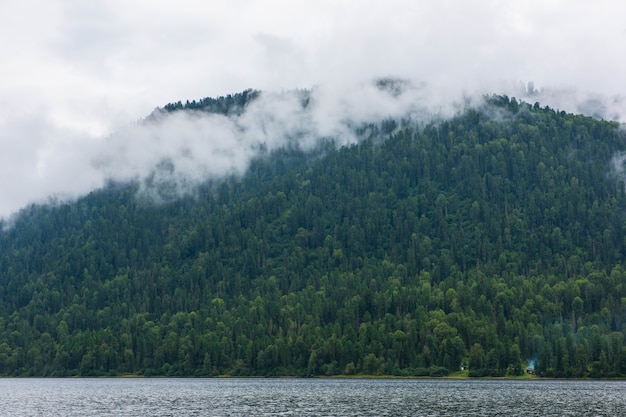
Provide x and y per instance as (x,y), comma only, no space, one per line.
(571,99)
(178,151)
(69,88)
(184,148)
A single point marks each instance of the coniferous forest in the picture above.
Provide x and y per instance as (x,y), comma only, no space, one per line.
(493,240)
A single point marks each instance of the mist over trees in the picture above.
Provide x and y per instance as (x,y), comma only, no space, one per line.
(493,240)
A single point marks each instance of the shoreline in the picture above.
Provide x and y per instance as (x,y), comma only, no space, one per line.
(454,376)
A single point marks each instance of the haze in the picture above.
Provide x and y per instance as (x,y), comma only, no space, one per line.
(77,76)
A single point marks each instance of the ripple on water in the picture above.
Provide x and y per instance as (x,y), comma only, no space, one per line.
(309,397)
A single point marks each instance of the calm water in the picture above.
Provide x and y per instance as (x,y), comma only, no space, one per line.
(309,397)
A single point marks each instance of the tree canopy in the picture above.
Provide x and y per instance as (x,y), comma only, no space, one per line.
(493,240)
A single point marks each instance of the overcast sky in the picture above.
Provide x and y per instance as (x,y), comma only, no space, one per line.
(74,72)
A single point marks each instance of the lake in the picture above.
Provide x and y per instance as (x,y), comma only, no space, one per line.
(309,397)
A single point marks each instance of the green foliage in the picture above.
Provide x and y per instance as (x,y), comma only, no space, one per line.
(491,239)
(226,105)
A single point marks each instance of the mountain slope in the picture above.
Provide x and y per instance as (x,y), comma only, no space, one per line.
(492,239)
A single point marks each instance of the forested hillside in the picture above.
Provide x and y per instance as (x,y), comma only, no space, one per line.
(495,239)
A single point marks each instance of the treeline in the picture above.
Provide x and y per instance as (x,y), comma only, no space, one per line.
(492,240)
(231,104)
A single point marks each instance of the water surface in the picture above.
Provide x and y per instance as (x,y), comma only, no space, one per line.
(309,397)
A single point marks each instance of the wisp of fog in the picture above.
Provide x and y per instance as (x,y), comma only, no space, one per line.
(185,148)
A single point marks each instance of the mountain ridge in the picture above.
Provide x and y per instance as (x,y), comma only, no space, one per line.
(489,240)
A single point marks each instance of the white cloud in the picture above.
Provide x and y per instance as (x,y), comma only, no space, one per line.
(74,72)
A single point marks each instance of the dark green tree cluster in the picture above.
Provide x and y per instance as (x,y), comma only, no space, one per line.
(232,104)
(492,240)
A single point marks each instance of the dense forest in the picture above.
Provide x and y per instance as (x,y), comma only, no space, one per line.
(493,240)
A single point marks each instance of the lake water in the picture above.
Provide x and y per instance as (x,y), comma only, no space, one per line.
(309,397)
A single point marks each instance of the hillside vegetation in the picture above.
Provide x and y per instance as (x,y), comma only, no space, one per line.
(495,239)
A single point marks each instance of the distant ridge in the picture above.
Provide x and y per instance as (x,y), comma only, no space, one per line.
(487,240)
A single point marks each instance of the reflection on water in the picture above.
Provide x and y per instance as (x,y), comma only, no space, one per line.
(310,397)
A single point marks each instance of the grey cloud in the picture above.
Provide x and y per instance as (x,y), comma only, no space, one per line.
(571,99)
(178,151)
(183,149)
(78,72)
(40,161)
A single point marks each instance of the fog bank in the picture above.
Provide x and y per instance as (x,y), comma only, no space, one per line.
(185,148)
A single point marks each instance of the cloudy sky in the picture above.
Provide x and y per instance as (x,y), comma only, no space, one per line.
(74,73)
